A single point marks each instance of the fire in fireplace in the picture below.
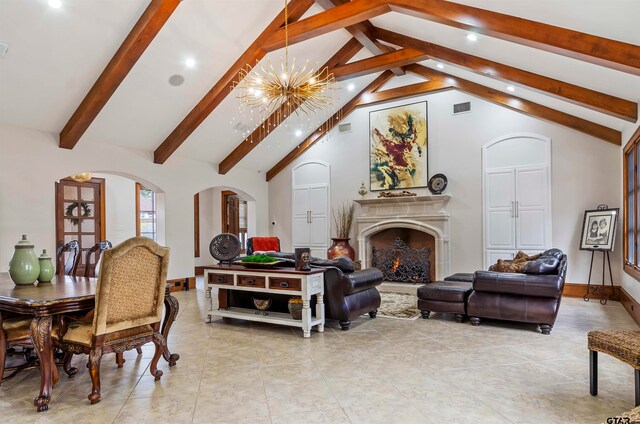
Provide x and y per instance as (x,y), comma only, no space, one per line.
(401,263)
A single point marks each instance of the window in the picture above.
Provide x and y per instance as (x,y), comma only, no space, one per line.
(631,209)
(146,212)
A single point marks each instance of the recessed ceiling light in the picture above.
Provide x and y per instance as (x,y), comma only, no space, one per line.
(56,4)
(511,88)
(472,37)
(440,66)
(298,133)
(176,80)
(190,62)
(351,87)
(366,97)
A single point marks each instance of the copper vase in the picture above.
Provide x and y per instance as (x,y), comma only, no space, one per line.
(340,248)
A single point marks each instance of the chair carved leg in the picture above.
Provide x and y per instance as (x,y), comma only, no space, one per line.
(475,321)
(425,313)
(637,385)
(66,365)
(373,314)
(459,317)
(546,328)
(593,372)
(160,344)
(120,359)
(171,307)
(94,370)
(344,325)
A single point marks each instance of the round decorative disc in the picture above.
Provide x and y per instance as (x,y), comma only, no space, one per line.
(437,184)
(225,247)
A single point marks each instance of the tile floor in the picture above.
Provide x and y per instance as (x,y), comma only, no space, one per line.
(381,371)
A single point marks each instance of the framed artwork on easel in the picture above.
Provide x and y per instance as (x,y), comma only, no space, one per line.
(599,229)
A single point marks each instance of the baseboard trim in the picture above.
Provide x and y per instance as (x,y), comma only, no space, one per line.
(178,284)
(630,304)
(579,290)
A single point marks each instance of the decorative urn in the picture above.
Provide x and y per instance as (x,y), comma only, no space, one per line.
(24,267)
(46,268)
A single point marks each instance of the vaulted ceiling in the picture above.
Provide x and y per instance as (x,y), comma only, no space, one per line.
(97,71)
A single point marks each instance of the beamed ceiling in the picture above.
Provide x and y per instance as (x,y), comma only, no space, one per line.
(97,71)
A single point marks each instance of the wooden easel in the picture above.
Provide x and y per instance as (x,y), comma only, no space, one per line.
(601,289)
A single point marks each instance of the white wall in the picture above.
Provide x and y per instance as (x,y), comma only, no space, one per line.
(120,207)
(585,172)
(30,163)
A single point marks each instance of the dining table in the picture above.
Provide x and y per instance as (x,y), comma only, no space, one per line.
(64,294)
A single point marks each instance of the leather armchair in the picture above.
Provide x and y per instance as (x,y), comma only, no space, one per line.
(533,296)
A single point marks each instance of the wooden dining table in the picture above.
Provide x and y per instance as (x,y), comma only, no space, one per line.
(63,295)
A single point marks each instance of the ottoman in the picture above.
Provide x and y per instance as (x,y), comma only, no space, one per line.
(444,296)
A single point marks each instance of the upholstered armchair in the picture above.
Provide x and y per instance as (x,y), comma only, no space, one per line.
(129,300)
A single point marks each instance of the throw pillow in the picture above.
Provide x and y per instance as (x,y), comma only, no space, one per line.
(509,266)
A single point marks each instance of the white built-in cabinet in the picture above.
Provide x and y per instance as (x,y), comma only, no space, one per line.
(517,196)
(310,202)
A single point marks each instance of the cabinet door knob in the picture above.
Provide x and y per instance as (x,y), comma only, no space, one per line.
(251,282)
(220,280)
(284,284)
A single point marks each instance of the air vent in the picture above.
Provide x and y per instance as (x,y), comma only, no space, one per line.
(4,49)
(344,128)
(461,108)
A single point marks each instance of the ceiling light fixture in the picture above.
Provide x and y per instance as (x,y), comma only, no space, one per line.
(440,66)
(511,88)
(56,4)
(298,133)
(190,63)
(351,87)
(268,91)
(472,36)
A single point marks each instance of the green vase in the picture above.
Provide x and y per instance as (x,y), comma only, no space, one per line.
(46,268)
(24,267)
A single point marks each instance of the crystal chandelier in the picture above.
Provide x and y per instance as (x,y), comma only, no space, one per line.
(278,94)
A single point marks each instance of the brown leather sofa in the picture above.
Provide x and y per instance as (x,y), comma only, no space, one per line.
(533,296)
(347,293)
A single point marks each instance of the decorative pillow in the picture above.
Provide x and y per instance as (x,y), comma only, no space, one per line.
(544,265)
(509,266)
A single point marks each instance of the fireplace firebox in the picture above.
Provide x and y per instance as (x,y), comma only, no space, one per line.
(402,263)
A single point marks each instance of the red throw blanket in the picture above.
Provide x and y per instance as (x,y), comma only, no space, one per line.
(265,244)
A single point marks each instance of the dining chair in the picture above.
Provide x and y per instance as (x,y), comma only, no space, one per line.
(68,258)
(98,247)
(129,301)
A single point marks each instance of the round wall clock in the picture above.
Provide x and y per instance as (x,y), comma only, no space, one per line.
(225,247)
(437,183)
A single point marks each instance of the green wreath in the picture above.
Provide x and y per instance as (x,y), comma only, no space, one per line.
(86,211)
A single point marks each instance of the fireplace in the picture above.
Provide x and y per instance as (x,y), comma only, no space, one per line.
(400,262)
(419,221)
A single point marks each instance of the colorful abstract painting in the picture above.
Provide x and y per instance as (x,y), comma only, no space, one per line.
(398,147)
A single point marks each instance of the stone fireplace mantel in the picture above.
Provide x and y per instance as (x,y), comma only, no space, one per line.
(429,214)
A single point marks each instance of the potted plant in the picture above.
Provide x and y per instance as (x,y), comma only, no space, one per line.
(295,307)
(343,220)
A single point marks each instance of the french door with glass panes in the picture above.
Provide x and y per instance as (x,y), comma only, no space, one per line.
(80,216)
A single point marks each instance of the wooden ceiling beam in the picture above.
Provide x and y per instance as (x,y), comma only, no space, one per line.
(379,63)
(407,91)
(339,17)
(329,124)
(521,105)
(223,87)
(601,51)
(594,100)
(141,35)
(363,32)
(350,49)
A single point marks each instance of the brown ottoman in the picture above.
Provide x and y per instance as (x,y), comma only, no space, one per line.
(444,296)
(461,276)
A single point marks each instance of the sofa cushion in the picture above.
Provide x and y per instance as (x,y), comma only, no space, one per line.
(522,284)
(556,253)
(544,265)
